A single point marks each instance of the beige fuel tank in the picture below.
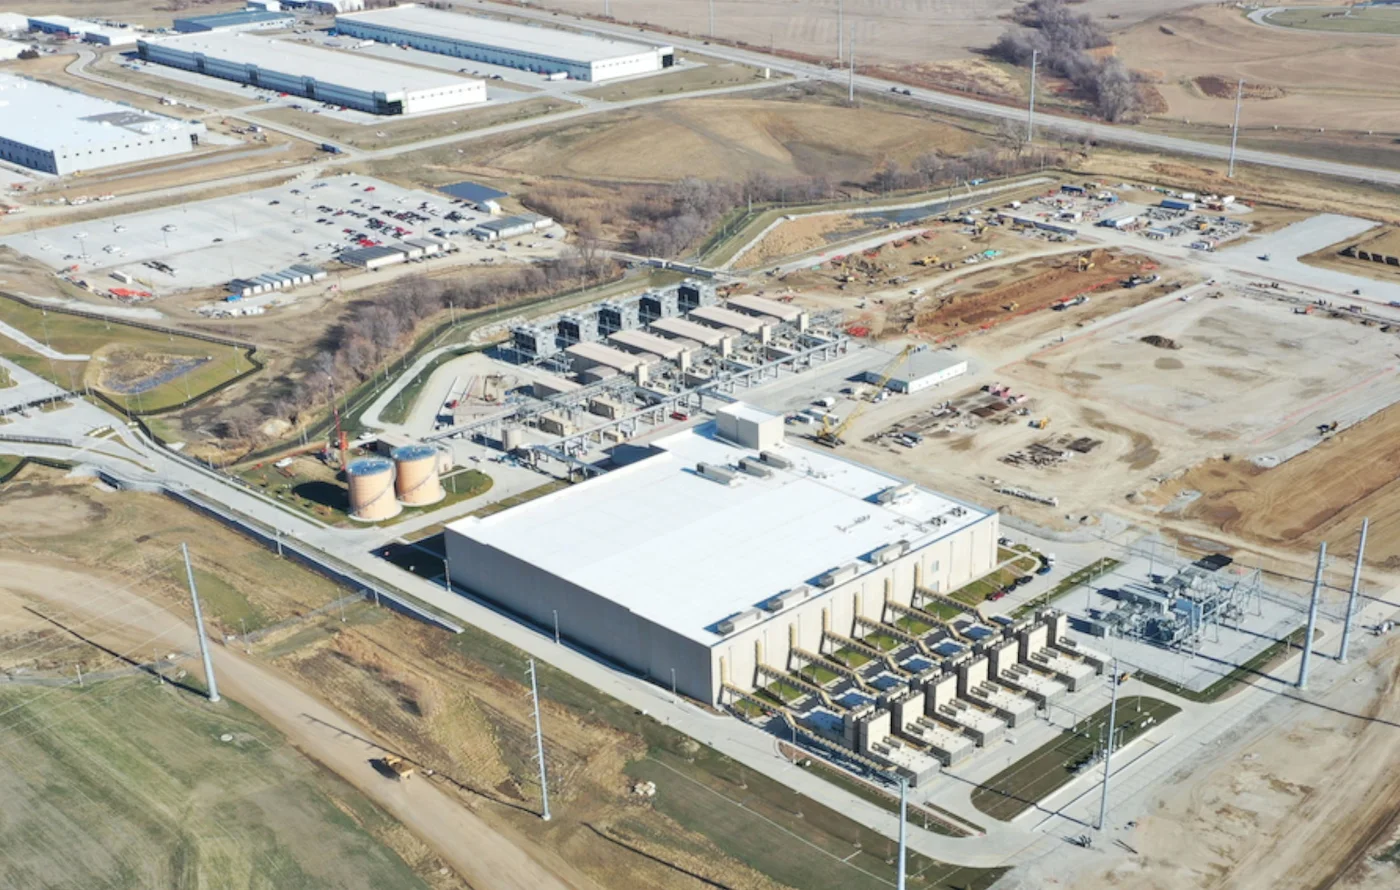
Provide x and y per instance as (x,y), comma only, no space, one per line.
(371,484)
(417,482)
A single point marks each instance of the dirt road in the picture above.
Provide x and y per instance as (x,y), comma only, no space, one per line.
(113,616)
(1298,806)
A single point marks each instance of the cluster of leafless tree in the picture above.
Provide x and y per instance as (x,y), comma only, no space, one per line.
(678,216)
(933,170)
(373,331)
(1063,40)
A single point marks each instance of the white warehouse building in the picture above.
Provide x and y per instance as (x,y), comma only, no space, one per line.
(723,548)
(531,47)
(360,82)
(53,130)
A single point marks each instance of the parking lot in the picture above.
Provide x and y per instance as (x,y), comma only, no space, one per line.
(208,243)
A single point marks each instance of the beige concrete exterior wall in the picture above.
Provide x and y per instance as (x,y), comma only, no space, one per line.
(943,565)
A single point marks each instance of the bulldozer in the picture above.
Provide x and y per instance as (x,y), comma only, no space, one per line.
(1085,261)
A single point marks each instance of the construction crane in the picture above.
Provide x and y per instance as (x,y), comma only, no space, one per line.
(830,434)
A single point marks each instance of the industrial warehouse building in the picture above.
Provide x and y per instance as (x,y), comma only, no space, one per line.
(923,370)
(533,48)
(721,551)
(359,82)
(241,20)
(81,29)
(60,131)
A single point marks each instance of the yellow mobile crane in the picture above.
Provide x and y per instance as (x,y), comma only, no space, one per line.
(830,434)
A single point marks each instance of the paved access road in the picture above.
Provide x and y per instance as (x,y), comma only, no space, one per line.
(1102,132)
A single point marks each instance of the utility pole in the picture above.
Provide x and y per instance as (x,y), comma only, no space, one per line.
(1030,113)
(712,19)
(903,829)
(1235,132)
(851,88)
(1355,588)
(199,629)
(539,744)
(1312,618)
(840,30)
(1108,752)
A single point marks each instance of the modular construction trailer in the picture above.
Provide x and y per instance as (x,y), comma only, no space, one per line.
(531,47)
(59,131)
(725,563)
(360,82)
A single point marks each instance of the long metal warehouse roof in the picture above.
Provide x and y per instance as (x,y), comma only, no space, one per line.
(718,315)
(328,66)
(679,327)
(644,342)
(763,306)
(551,42)
(606,355)
(53,118)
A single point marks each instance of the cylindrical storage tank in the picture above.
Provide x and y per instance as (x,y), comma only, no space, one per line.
(371,483)
(417,482)
(511,439)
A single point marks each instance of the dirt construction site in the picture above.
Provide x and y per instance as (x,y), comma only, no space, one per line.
(1094,406)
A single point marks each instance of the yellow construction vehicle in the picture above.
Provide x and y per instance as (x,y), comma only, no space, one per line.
(401,768)
(1041,423)
(929,260)
(1085,261)
(1012,306)
(830,434)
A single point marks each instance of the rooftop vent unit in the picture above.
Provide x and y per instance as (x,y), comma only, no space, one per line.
(937,521)
(775,460)
(789,598)
(895,493)
(716,474)
(959,511)
(754,468)
(839,575)
(747,618)
(889,553)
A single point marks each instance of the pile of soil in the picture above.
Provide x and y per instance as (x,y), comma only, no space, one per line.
(1161,342)
(1217,87)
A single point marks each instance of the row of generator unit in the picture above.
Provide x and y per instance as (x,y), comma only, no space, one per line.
(594,323)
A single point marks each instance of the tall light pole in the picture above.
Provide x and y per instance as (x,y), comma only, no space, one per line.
(851,87)
(1235,132)
(1030,113)
(712,19)
(1108,751)
(840,30)
(539,744)
(1312,618)
(903,830)
(1355,587)
(199,629)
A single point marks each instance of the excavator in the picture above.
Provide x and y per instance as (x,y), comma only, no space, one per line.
(930,260)
(1085,261)
(831,432)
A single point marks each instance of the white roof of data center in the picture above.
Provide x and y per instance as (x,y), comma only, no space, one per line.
(686,552)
